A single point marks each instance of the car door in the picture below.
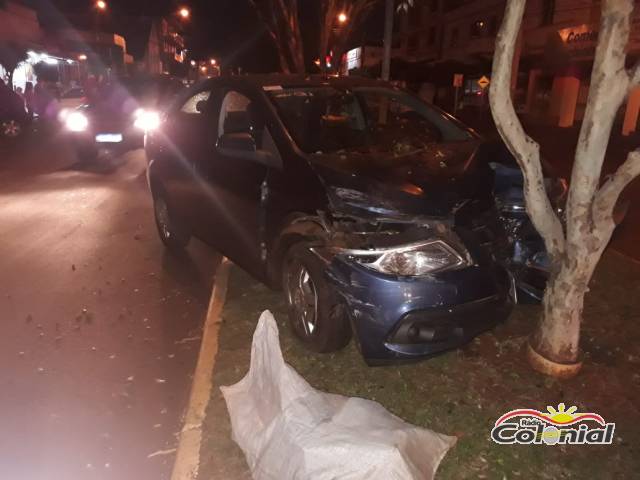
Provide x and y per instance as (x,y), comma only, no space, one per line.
(186,136)
(235,180)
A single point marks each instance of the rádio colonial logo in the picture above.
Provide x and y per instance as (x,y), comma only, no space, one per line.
(557,427)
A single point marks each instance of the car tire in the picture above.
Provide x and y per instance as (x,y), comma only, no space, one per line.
(317,315)
(174,236)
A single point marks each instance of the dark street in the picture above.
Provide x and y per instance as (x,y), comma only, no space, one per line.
(101,328)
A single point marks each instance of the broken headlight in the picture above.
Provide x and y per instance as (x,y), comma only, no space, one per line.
(417,259)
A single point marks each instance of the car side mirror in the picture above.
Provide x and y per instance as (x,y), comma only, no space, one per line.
(243,146)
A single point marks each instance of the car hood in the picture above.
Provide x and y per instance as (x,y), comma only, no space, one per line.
(435,181)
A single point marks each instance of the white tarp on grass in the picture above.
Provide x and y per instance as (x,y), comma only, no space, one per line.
(289,430)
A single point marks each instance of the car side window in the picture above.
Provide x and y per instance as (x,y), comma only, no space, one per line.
(238,116)
(234,114)
(194,105)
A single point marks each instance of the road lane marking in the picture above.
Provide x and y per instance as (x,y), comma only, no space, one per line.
(188,455)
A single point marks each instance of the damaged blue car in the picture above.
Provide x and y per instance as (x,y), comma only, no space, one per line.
(380,217)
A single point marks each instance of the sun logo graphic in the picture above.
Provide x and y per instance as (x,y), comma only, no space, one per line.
(556,426)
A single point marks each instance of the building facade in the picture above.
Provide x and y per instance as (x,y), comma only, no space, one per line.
(554,55)
(165,51)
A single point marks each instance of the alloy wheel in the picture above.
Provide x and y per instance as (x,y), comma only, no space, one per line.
(303,298)
(11,128)
(162,215)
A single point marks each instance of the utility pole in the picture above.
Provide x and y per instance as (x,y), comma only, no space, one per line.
(388,38)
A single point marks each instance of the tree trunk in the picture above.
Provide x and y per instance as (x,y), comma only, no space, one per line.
(576,249)
(558,334)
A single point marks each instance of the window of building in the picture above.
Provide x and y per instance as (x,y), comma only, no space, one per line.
(432,36)
(455,37)
(548,10)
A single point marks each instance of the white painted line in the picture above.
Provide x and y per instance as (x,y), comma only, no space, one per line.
(188,456)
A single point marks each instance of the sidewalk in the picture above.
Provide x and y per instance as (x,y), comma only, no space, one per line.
(462,392)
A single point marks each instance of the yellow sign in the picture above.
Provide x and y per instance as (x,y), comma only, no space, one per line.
(484,82)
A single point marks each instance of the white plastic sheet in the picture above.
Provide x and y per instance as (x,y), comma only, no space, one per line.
(289,430)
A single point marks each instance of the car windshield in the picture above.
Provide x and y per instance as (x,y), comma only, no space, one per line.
(365,119)
(145,92)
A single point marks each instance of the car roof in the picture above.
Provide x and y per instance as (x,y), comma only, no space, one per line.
(261,81)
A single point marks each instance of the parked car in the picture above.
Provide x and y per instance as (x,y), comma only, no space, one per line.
(375,212)
(118,115)
(13,113)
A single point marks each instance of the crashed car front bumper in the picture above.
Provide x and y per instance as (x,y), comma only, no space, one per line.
(403,318)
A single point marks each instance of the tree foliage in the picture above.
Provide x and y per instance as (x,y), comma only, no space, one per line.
(11,55)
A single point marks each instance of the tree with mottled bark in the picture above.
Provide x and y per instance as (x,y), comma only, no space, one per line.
(575,245)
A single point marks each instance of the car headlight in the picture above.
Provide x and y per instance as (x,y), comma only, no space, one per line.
(76,121)
(417,259)
(146,120)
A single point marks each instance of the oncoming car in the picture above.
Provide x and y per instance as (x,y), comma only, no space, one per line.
(373,211)
(118,114)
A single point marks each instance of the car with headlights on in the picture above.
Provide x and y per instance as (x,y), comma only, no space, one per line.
(119,113)
(377,214)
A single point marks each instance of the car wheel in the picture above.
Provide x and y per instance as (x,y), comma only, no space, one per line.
(172,234)
(316,313)
(11,128)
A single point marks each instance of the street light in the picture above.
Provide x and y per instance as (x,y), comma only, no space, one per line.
(213,61)
(193,63)
(342,17)
(101,5)
(184,13)
(82,57)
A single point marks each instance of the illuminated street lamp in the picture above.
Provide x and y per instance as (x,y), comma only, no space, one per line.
(203,69)
(184,13)
(82,57)
(213,61)
(193,63)
(342,17)
(101,5)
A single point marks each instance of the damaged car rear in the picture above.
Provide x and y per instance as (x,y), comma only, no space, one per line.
(380,216)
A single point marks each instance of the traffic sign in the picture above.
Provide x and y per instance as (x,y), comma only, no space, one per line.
(457,79)
(484,82)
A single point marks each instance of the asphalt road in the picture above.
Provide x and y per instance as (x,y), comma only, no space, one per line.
(100,328)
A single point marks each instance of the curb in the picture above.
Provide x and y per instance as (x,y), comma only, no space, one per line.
(187,461)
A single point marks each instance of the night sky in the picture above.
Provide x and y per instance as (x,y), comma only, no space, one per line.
(228,30)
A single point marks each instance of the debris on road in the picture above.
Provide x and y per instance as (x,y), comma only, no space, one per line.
(161,452)
(187,340)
